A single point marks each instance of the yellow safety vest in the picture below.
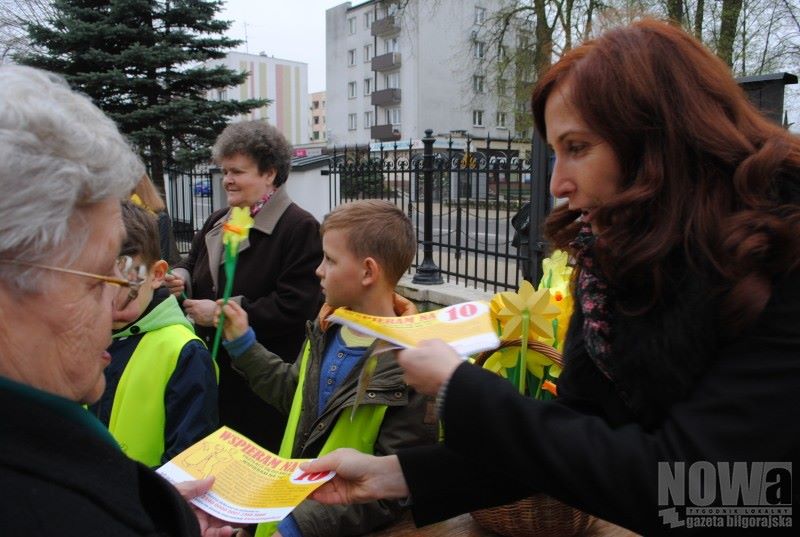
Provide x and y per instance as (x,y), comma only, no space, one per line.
(359,433)
(138,416)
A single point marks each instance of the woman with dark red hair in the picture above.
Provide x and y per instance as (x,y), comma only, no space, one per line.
(683,355)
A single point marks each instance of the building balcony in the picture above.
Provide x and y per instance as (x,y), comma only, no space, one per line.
(386,97)
(384,133)
(386,62)
(385,27)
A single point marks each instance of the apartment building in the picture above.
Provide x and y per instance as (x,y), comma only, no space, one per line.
(318,124)
(284,82)
(393,72)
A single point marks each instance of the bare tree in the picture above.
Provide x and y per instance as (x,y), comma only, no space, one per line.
(15,15)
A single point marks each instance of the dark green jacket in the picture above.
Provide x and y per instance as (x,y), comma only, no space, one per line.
(409,421)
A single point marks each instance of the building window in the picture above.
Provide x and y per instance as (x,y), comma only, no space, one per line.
(352,122)
(392,80)
(480,49)
(351,90)
(351,25)
(502,84)
(501,120)
(369,17)
(222,95)
(367,86)
(367,53)
(480,15)
(323,119)
(316,120)
(477,118)
(315,104)
(478,83)
(316,135)
(351,57)
(391,45)
(368,119)
(393,116)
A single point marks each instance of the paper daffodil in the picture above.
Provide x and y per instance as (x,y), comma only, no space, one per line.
(531,314)
(236,229)
(556,273)
(528,304)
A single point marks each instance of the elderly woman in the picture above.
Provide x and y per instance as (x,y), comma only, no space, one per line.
(65,168)
(683,355)
(275,281)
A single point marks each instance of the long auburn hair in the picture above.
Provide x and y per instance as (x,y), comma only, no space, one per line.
(708,182)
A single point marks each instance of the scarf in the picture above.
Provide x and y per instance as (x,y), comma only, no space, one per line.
(594,297)
(257,206)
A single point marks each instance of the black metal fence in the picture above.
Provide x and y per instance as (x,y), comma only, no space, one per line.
(477,204)
(190,201)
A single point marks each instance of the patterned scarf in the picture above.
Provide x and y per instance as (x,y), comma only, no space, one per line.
(593,297)
(257,206)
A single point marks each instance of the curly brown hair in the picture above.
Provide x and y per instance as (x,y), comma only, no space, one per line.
(261,142)
(710,187)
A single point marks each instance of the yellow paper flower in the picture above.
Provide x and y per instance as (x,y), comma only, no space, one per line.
(534,303)
(501,360)
(536,362)
(236,229)
(565,305)
(556,274)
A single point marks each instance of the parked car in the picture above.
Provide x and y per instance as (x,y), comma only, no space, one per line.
(202,188)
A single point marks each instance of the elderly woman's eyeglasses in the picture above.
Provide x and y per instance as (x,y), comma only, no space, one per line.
(133,276)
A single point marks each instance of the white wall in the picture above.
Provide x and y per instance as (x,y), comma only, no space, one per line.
(311,190)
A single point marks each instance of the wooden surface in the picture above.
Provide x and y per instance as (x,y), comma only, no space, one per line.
(465,526)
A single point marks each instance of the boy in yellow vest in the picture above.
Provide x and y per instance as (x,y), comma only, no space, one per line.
(161,386)
(367,246)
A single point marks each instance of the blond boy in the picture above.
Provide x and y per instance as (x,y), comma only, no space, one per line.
(367,246)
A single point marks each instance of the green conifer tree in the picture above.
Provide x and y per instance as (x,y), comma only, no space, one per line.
(141,61)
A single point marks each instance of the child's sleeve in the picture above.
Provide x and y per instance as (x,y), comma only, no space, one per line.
(270,378)
(190,400)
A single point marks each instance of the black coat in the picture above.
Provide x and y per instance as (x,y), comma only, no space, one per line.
(590,449)
(58,476)
(275,284)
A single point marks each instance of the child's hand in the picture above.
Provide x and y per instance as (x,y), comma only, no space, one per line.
(235,319)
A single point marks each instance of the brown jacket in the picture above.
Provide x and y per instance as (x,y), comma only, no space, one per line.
(409,421)
(275,284)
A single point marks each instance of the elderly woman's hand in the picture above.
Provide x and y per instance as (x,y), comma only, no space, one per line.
(201,311)
(428,366)
(209,526)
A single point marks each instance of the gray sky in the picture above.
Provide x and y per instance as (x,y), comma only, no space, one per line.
(291,30)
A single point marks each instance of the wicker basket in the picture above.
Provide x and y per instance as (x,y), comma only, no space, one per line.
(538,515)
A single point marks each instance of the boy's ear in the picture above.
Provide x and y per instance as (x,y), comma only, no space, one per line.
(159,270)
(372,271)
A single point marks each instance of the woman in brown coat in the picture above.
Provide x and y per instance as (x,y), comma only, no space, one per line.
(275,281)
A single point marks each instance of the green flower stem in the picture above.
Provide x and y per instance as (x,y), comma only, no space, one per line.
(523,351)
(230,270)
(555,333)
